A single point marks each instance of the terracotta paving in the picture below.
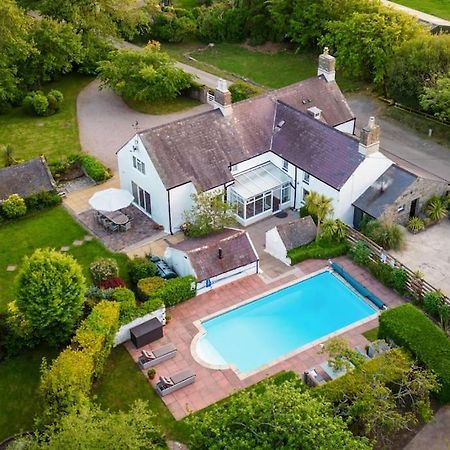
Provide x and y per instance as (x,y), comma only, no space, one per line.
(213,385)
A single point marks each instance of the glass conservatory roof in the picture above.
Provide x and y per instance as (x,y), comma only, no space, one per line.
(261,179)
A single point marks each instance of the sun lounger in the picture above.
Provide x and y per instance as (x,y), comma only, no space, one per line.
(167,385)
(312,378)
(154,357)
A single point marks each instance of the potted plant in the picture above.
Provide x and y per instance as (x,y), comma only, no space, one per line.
(151,373)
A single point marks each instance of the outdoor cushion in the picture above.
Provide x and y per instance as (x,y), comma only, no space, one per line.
(164,350)
(148,354)
(182,376)
(167,381)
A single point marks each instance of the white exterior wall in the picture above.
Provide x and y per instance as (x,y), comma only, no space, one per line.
(346,127)
(275,246)
(364,176)
(180,201)
(250,163)
(150,182)
(179,261)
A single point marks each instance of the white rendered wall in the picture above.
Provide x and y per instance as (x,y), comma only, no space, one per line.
(364,176)
(150,182)
(179,261)
(180,201)
(275,246)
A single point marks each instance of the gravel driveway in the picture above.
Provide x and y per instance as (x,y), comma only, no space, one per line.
(105,122)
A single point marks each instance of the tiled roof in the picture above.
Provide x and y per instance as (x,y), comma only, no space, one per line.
(203,253)
(315,147)
(385,191)
(28,178)
(201,148)
(297,233)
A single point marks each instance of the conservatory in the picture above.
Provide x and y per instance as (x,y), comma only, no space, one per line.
(260,192)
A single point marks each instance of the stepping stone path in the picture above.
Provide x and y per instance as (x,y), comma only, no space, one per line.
(11,268)
(88,238)
(174,445)
(77,243)
(66,248)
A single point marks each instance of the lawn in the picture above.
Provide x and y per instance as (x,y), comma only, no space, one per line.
(122,383)
(53,136)
(438,8)
(371,335)
(186,4)
(19,380)
(273,70)
(180,103)
(51,228)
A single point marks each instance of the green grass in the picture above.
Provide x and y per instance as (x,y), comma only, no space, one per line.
(180,103)
(19,400)
(421,124)
(317,250)
(186,4)
(371,335)
(438,8)
(273,70)
(51,228)
(53,136)
(122,383)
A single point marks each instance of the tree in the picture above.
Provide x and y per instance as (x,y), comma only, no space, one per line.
(320,206)
(93,428)
(148,75)
(208,214)
(50,294)
(436,98)
(272,416)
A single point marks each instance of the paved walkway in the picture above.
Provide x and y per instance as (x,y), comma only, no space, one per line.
(213,385)
(435,435)
(105,122)
(400,143)
(423,17)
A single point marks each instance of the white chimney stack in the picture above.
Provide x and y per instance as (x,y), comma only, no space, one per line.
(222,97)
(327,65)
(369,141)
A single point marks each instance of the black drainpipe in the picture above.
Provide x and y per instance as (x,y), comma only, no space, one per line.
(170,214)
(224,192)
(295,187)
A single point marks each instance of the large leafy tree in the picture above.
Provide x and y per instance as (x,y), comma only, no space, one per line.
(277,416)
(148,75)
(93,428)
(50,294)
(436,98)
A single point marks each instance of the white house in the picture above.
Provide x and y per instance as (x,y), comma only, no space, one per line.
(289,235)
(215,259)
(264,154)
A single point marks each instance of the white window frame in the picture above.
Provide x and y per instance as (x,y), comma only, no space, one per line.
(306,177)
(401,208)
(305,194)
(139,165)
(285,165)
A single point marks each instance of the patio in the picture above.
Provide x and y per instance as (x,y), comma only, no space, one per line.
(214,385)
(143,229)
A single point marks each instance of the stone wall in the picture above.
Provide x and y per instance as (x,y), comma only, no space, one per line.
(422,189)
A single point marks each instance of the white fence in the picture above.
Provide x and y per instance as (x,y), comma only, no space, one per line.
(123,334)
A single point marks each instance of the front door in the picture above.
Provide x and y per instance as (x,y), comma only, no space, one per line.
(412,211)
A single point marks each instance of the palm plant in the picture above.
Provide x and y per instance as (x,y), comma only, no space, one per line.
(334,230)
(319,205)
(436,209)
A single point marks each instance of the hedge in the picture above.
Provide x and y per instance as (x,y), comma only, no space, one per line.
(175,290)
(318,250)
(148,286)
(68,381)
(407,326)
(94,168)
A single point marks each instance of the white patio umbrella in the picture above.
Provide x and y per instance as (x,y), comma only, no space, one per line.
(110,199)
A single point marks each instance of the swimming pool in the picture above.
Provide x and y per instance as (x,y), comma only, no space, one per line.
(259,332)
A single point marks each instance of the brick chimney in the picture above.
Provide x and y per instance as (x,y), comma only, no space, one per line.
(222,97)
(369,140)
(327,65)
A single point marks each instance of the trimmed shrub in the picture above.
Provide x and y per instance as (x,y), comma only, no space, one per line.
(111,283)
(94,168)
(101,294)
(381,271)
(241,91)
(103,268)
(36,103)
(409,327)
(175,290)
(322,249)
(42,200)
(140,268)
(14,206)
(130,311)
(147,286)
(415,224)
(55,100)
(95,336)
(123,295)
(360,253)
(398,280)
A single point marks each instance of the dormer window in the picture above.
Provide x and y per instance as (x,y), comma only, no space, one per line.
(306,177)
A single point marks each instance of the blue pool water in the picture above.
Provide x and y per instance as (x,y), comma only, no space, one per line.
(270,327)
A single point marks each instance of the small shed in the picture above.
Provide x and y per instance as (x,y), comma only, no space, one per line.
(26,179)
(285,237)
(146,332)
(215,259)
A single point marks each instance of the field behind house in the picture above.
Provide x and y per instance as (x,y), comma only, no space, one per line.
(438,8)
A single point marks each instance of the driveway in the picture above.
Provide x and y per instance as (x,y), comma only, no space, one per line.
(399,143)
(106,122)
(429,252)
